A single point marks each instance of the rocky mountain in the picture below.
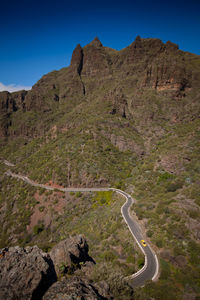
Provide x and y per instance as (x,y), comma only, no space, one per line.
(122,79)
(128,119)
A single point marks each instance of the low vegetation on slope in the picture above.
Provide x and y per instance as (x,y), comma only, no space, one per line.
(165,184)
(30,216)
(128,119)
(168,204)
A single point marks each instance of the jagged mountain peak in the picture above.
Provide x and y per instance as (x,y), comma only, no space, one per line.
(127,119)
(77,59)
(170,45)
(153,43)
(156,65)
(146,43)
(96,42)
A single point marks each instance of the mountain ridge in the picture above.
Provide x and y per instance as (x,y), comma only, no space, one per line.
(129,119)
(134,50)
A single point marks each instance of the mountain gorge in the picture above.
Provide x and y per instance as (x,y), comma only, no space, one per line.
(128,119)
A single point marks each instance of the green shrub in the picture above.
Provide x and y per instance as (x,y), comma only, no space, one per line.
(41,191)
(78,194)
(149,233)
(103,197)
(194,214)
(140,262)
(165,270)
(159,243)
(62,268)
(130,259)
(109,255)
(165,176)
(174,186)
(194,249)
(38,228)
(41,208)
(163,289)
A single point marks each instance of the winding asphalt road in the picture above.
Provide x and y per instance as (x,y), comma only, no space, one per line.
(150,269)
(151,266)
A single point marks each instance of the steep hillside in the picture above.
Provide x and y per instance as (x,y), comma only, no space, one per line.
(128,119)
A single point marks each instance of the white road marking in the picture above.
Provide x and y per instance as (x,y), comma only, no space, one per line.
(127,196)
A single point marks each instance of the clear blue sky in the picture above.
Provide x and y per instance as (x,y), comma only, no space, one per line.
(39,36)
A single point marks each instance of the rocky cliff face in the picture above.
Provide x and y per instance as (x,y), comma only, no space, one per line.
(77,59)
(25,273)
(145,64)
(29,273)
(10,103)
(76,288)
(126,96)
(96,60)
(128,119)
(69,254)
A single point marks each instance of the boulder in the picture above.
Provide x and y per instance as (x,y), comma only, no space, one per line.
(25,273)
(68,254)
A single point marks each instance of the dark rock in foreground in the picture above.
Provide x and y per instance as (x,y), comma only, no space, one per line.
(29,273)
(25,273)
(69,253)
(73,288)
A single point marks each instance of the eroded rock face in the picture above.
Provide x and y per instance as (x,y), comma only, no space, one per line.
(68,254)
(9,103)
(167,76)
(25,273)
(29,273)
(143,65)
(119,102)
(96,60)
(74,288)
(77,59)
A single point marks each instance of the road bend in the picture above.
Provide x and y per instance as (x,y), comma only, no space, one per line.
(151,266)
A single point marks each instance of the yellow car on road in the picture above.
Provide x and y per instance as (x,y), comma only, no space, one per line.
(143,243)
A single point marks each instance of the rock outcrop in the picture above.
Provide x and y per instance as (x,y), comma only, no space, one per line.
(10,103)
(25,273)
(75,288)
(145,64)
(68,254)
(29,273)
(96,60)
(77,59)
